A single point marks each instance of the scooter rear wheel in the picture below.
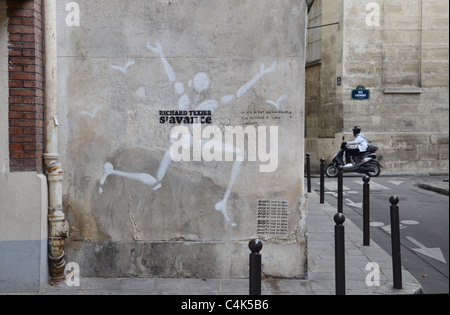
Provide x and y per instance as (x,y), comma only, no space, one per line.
(374,171)
(331,171)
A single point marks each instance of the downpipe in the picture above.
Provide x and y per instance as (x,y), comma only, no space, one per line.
(58,225)
(58,228)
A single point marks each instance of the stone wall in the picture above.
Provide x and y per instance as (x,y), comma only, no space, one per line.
(399,51)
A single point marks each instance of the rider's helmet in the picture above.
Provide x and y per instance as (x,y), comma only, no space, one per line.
(356,130)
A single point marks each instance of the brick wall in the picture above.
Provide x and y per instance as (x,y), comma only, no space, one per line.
(26,90)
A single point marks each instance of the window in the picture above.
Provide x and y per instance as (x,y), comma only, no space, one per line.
(314,33)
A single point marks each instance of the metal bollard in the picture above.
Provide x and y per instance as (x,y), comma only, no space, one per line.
(255,246)
(308,171)
(339,254)
(322,180)
(395,240)
(366,211)
(340,188)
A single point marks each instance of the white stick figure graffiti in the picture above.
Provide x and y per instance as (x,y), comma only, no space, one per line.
(201,82)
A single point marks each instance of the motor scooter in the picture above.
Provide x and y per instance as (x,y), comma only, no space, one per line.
(365,163)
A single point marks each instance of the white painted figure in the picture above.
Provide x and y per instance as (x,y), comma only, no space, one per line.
(201,83)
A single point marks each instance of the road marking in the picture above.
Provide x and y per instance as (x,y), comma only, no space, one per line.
(335,194)
(333,186)
(353,204)
(331,189)
(373,185)
(409,222)
(396,182)
(387,228)
(435,253)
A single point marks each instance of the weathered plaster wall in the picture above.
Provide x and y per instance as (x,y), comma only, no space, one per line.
(135,212)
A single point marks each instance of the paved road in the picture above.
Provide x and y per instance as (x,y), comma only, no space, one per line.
(424,217)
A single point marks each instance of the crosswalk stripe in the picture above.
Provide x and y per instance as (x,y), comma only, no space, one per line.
(396,182)
(333,186)
(373,185)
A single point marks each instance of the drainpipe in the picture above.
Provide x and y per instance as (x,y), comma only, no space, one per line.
(58,226)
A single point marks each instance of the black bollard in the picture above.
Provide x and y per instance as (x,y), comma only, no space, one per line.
(339,254)
(255,246)
(395,239)
(366,211)
(340,188)
(322,180)
(308,171)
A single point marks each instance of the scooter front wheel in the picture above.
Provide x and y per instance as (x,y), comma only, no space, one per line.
(331,171)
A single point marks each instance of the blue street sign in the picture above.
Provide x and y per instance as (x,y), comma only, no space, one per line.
(361,93)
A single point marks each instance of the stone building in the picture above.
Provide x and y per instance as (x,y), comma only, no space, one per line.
(399,52)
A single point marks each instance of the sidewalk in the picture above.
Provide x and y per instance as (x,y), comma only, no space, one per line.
(441,187)
(357,257)
(321,273)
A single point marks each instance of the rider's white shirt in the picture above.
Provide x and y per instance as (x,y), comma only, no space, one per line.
(360,142)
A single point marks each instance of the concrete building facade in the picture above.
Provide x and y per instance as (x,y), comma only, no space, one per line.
(135,77)
(180,137)
(398,51)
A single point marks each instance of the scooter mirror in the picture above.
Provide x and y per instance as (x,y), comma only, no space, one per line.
(343,138)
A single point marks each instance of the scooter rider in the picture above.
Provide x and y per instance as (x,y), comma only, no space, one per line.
(361,143)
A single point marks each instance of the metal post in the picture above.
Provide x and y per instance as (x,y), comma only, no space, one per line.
(308,171)
(340,188)
(395,239)
(322,180)
(255,246)
(366,211)
(339,249)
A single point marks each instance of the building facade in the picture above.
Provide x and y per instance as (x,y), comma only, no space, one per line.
(23,184)
(139,80)
(168,133)
(398,51)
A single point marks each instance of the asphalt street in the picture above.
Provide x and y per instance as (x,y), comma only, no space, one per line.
(424,218)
